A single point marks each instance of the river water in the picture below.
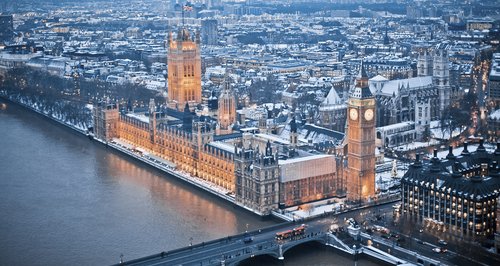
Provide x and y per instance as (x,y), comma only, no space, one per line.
(66,200)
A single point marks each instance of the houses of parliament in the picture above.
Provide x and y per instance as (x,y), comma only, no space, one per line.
(262,171)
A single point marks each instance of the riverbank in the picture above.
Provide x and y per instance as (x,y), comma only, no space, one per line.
(158,163)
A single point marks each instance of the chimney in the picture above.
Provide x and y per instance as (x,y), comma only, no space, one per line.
(465,152)
(450,155)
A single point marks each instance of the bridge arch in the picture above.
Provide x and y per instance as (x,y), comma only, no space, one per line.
(260,259)
(313,241)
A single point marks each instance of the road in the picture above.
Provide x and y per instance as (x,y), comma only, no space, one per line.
(402,233)
(460,248)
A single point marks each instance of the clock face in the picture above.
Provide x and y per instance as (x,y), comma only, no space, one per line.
(369,114)
(353,114)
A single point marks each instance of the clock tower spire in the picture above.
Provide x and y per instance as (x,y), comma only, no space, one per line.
(361,140)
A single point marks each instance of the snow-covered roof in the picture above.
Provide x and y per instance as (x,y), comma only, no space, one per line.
(379,78)
(495,114)
(140,117)
(392,87)
(222,146)
(303,159)
(332,98)
(306,167)
(273,138)
(396,126)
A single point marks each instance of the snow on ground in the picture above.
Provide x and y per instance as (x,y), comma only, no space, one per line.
(314,209)
(437,133)
(416,145)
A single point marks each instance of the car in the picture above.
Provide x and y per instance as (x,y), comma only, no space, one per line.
(395,235)
(442,242)
(247,238)
(386,236)
(437,250)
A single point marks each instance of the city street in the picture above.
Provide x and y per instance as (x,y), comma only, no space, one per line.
(420,237)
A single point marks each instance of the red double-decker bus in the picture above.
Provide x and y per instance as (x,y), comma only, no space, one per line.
(284,235)
(297,231)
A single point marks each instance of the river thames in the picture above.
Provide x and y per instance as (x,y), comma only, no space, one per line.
(67,200)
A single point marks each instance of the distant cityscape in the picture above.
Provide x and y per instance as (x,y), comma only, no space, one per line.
(293,109)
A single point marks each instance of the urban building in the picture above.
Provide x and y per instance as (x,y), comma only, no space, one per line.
(361,141)
(422,119)
(260,181)
(494,81)
(332,112)
(494,125)
(460,192)
(105,116)
(209,31)
(257,176)
(396,134)
(184,70)
(6,28)
(307,179)
(441,78)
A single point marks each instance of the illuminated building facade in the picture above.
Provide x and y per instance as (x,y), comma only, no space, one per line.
(307,179)
(105,116)
(226,109)
(246,165)
(189,145)
(361,141)
(460,192)
(257,177)
(184,70)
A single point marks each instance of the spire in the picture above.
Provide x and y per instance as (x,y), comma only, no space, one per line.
(187,119)
(226,86)
(152,106)
(361,90)
(170,38)
(362,71)
(293,126)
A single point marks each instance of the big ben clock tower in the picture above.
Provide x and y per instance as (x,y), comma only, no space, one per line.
(361,141)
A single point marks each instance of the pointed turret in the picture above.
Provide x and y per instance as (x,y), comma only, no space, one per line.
(269,150)
(187,119)
(227,106)
(361,90)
